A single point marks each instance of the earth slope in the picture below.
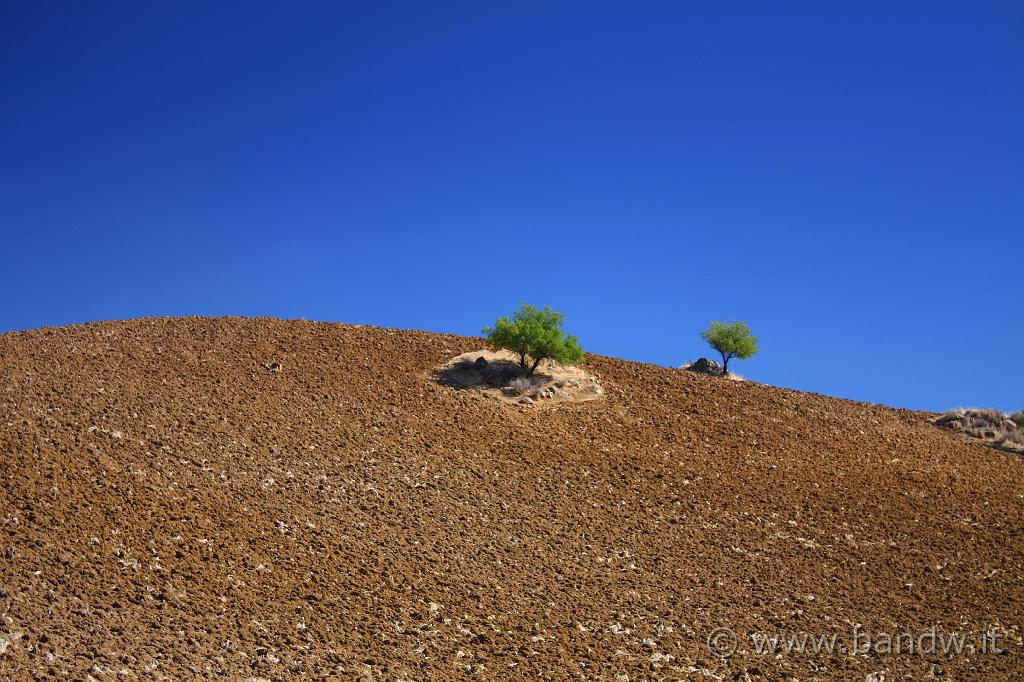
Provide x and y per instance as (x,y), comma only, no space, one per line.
(170,508)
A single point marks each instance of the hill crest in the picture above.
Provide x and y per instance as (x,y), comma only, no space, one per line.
(188,510)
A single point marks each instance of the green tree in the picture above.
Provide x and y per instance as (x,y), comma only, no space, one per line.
(731,340)
(535,335)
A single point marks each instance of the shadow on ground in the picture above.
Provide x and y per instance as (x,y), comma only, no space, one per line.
(470,373)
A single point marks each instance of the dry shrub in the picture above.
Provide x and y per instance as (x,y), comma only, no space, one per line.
(993,416)
(972,418)
(1015,437)
(987,424)
(528,386)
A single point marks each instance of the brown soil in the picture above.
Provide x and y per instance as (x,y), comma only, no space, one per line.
(172,506)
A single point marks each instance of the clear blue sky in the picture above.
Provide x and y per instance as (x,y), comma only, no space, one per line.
(848,178)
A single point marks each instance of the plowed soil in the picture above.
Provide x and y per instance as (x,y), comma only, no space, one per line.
(172,509)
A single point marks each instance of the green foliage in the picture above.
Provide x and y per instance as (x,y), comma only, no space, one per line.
(1018,419)
(535,335)
(731,340)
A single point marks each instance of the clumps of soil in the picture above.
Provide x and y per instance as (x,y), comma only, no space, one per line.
(986,426)
(497,374)
(171,510)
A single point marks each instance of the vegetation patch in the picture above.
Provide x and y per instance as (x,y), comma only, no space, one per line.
(985,425)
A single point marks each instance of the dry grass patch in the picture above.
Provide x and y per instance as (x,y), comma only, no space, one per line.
(986,425)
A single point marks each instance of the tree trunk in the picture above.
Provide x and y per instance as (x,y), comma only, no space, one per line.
(725,364)
(536,363)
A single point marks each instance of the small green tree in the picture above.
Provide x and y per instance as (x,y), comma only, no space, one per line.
(731,340)
(535,335)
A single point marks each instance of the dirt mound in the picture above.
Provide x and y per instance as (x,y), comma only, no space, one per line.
(270,499)
(498,376)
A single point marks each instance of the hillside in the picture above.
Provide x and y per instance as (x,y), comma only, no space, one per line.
(170,507)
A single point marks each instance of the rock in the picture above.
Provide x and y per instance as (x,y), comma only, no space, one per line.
(527,401)
(7,640)
(480,363)
(274,367)
(950,417)
(706,366)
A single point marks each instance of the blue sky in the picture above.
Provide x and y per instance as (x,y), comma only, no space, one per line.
(848,178)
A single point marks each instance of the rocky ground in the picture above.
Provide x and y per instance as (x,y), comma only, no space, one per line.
(985,426)
(173,505)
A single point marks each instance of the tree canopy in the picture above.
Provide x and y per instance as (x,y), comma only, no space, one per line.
(731,340)
(535,335)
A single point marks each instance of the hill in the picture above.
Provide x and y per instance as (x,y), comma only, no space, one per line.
(173,504)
